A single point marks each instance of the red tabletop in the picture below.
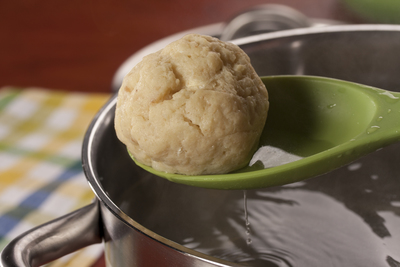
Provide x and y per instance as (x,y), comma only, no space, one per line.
(78,45)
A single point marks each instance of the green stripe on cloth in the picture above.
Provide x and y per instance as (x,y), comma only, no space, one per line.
(38,155)
(7,95)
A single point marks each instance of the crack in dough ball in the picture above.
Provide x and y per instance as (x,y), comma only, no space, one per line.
(195,107)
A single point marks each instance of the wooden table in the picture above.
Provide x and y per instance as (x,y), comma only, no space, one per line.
(78,45)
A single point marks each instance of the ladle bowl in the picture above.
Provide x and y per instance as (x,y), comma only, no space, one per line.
(314,125)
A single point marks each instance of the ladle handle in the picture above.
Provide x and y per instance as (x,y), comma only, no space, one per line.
(54,239)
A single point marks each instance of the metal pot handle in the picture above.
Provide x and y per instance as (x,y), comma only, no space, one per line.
(54,239)
(262,19)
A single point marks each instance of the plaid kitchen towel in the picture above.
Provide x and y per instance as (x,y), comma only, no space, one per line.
(41,177)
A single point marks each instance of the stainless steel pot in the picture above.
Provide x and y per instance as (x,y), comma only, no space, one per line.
(348,217)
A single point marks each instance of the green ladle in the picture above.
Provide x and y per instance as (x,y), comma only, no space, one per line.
(314,125)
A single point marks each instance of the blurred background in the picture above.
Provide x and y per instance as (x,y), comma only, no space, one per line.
(73,50)
(78,45)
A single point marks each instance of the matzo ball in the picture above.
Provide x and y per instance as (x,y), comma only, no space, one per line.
(195,107)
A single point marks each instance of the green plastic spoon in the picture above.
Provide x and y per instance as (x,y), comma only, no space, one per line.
(314,125)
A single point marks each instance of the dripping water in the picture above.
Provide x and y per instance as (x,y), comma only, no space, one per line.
(246,218)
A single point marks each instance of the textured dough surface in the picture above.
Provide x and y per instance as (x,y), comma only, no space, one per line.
(195,107)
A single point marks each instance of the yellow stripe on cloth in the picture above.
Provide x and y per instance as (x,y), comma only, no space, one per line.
(41,177)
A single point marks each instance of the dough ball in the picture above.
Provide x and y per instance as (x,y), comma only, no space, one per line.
(195,107)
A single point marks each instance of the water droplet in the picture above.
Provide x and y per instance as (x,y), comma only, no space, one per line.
(373,129)
(331,105)
(248,241)
(354,166)
(246,218)
(379,118)
(389,94)
(389,110)
(374,177)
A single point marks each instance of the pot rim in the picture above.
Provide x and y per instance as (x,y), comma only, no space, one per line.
(316,30)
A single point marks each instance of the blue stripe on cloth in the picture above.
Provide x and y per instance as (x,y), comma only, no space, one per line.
(7,223)
(32,202)
(35,199)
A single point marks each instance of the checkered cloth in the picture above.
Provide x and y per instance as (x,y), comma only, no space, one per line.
(41,177)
